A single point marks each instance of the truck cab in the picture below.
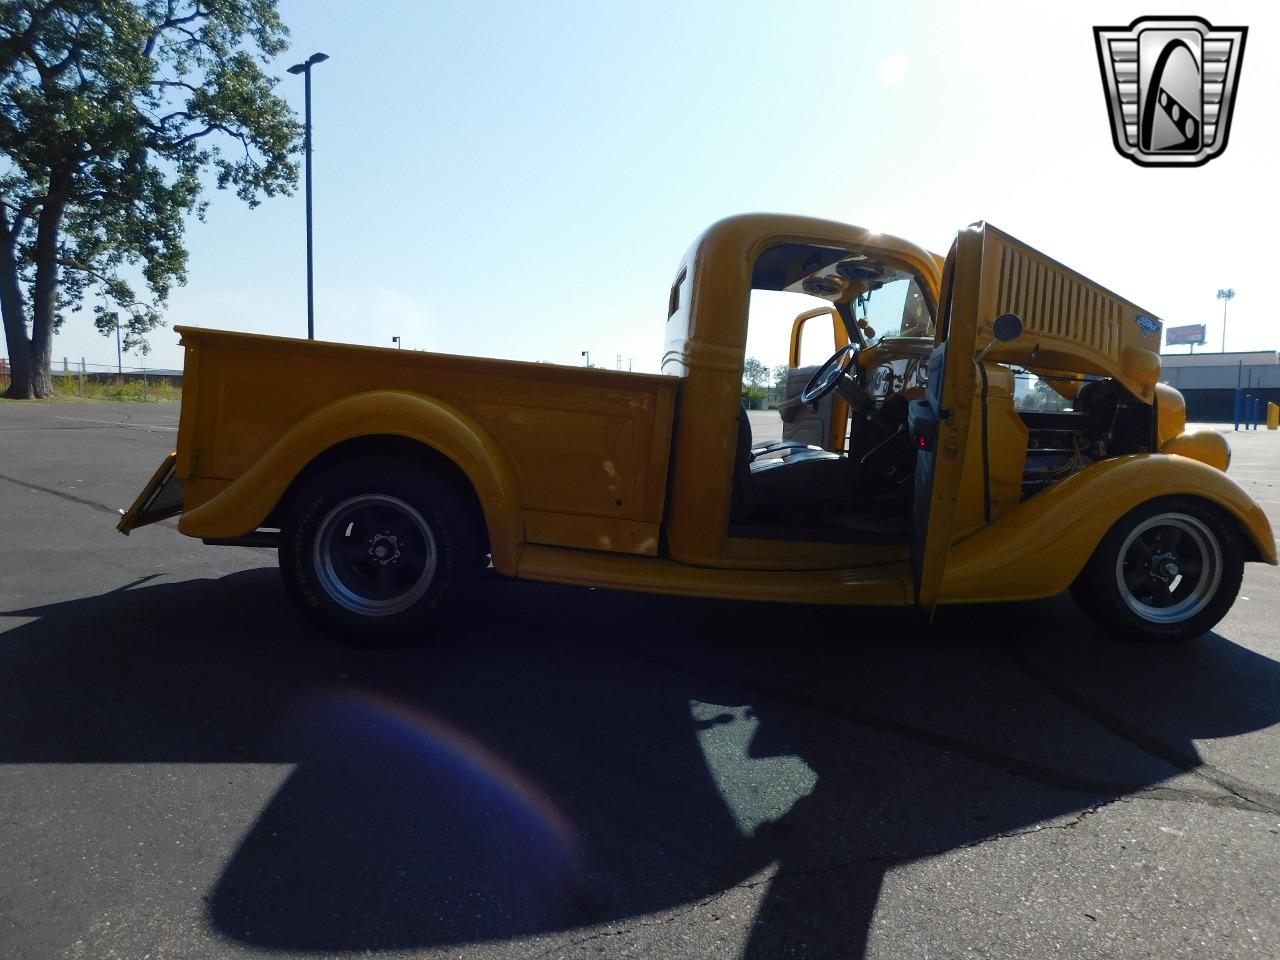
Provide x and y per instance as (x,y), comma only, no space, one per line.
(831,507)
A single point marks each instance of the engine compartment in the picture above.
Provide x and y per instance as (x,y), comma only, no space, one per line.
(1106,421)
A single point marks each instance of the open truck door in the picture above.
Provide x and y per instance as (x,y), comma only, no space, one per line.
(160,499)
(939,421)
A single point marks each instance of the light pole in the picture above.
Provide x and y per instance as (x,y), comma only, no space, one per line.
(396,341)
(1225,296)
(304,68)
(587,354)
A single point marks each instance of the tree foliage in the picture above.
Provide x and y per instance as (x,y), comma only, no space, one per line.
(1042,396)
(112,115)
(781,374)
(754,372)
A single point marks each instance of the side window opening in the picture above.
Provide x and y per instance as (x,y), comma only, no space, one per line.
(677,292)
(838,468)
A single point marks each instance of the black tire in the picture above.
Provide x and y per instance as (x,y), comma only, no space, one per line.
(1168,571)
(379,552)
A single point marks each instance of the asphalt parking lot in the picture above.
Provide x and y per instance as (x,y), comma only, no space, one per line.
(188,770)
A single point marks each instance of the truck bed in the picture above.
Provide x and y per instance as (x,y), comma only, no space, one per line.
(589,448)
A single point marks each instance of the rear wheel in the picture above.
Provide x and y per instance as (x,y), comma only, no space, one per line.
(1169,570)
(378,552)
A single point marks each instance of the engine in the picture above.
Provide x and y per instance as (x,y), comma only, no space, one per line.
(1106,421)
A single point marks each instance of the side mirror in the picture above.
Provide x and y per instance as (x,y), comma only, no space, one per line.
(1006,327)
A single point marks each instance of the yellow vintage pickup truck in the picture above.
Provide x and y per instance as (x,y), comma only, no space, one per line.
(908,474)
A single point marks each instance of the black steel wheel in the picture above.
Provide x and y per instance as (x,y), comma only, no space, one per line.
(377,552)
(1168,570)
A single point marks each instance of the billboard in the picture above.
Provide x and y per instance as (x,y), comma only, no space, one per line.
(1192,333)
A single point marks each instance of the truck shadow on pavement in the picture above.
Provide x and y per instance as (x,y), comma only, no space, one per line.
(581,764)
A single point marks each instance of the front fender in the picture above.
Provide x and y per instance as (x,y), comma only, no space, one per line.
(1039,547)
(250,498)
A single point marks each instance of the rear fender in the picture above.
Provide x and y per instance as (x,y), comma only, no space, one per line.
(251,497)
(1038,548)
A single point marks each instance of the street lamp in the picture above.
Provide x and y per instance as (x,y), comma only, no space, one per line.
(396,341)
(304,68)
(587,354)
(1225,296)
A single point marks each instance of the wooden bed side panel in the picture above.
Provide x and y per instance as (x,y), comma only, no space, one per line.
(582,441)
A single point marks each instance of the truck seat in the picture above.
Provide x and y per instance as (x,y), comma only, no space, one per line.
(802,476)
(780,448)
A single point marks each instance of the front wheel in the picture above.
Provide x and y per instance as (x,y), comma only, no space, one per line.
(1169,570)
(378,552)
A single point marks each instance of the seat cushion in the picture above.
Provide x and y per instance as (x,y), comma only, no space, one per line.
(778,448)
(786,450)
(803,455)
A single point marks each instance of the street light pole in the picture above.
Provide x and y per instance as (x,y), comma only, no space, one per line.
(396,341)
(304,68)
(1225,296)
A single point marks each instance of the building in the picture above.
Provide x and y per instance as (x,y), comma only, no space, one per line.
(1209,380)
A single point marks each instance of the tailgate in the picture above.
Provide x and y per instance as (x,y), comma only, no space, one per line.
(160,499)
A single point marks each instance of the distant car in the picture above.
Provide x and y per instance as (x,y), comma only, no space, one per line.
(386,478)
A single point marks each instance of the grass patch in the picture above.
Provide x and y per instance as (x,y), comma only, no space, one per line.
(123,388)
(69,386)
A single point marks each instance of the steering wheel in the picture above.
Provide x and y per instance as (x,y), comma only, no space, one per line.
(828,376)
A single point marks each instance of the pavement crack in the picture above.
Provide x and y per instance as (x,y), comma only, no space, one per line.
(947,743)
(1069,824)
(610,934)
(1149,795)
(1250,797)
(61,494)
(72,498)
(886,860)
(1231,800)
(895,858)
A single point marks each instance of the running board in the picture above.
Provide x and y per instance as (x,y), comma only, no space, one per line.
(259,538)
(886,585)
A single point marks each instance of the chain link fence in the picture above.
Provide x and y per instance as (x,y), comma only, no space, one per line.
(108,381)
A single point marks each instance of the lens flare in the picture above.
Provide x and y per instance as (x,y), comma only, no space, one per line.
(457,755)
(396,828)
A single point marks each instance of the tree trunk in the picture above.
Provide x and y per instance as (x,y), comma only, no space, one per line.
(44,292)
(40,357)
(15,327)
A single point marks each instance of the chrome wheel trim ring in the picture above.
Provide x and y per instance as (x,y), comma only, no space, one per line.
(1209,576)
(336,527)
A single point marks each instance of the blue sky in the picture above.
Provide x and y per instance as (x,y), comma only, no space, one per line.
(520,180)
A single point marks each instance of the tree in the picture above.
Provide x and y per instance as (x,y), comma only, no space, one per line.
(754,372)
(781,374)
(111,113)
(1044,397)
